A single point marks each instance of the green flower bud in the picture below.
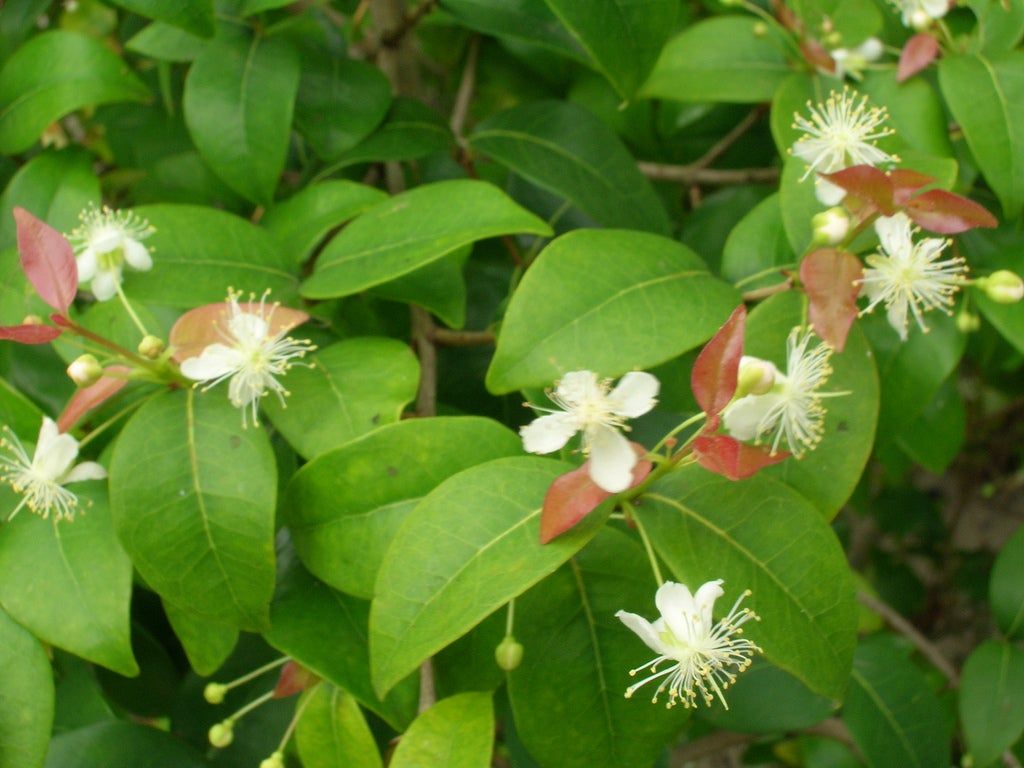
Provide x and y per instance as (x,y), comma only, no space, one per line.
(85,370)
(222,734)
(214,692)
(509,653)
(831,226)
(151,347)
(276,760)
(756,377)
(32,320)
(968,322)
(1003,286)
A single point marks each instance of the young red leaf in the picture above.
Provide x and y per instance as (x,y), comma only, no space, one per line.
(47,260)
(940,211)
(829,277)
(197,328)
(294,678)
(918,53)
(88,398)
(714,374)
(728,457)
(574,495)
(906,183)
(866,184)
(29,334)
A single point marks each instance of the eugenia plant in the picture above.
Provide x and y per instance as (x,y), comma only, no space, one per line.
(372,370)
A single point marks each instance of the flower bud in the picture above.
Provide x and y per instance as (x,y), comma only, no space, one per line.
(831,226)
(222,734)
(756,377)
(214,692)
(151,347)
(968,322)
(833,38)
(509,653)
(1003,287)
(920,20)
(85,370)
(32,320)
(276,760)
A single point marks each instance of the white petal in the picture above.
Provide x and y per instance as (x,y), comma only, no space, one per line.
(705,598)
(743,417)
(215,361)
(828,193)
(612,459)
(137,255)
(897,316)
(243,390)
(48,432)
(548,433)
(894,234)
(935,8)
(87,470)
(247,327)
(635,394)
(872,48)
(106,239)
(578,386)
(104,285)
(644,630)
(87,264)
(59,454)
(676,606)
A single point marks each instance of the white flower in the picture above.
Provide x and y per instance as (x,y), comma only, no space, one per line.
(41,479)
(792,407)
(909,276)
(103,243)
(840,133)
(590,406)
(919,14)
(854,61)
(704,657)
(252,356)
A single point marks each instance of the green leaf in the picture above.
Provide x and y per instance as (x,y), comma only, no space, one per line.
(915,113)
(53,74)
(166,43)
(17,411)
(438,287)
(84,564)
(200,252)
(412,230)
(747,530)
(987,251)
(790,99)
(466,549)
(565,149)
(757,243)
(521,21)
(193,497)
(1000,27)
(798,202)
(194,16)
(304,612)
(120,745)
(623,38)
(26,708)
(350,388)
(992,700)
(891,711)
(55,186)
(207,644)
(301,222)
(936,436)
(567,695)
(1006,586)
(341,516)
(986,97)
(827,475)
(720,59)
(609,301)
(333,733)
(238,102)
(457,732)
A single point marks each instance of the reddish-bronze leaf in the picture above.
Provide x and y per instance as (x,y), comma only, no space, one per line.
(47,260)
(88,398)
(918,53)
(940,211)
(574,495)
(866,184)
(906,183)
(713,379)
(294,678)
(817,55)
(198,327)
(29,334)
(829,276)
(728,457)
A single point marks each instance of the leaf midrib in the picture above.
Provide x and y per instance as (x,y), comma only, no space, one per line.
(886,713)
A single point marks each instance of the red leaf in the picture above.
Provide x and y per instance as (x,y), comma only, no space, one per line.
(918,53)
(574,495)
(940,211)
(829,277)
(47,260)
(714,374)
(866,184)
(87,398)
(197,328)
(29,334)
(730,458)
(906,182)
(294,678)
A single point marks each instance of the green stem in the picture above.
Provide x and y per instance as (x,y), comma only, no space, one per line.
(261,700)
(256,673)
(131,312)
(510,617)
(294,722)
(679,428)
(114,419)
(763,273)
(631,510)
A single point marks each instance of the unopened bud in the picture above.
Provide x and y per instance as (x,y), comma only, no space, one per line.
(920,20)
(276,760)
(509,653)
(760,29)
(833,39)
(831,226)
(151,347)
(214,692)
(968,322)
(85,370)
(222,734)
(756,376)
(32,320)
(1003,287)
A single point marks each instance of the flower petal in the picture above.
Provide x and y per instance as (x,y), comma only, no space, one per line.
(58,454)
(612,459)
(576,387)
(828,193)
(894,234)
(704,599)
(48,432)
(87,470)
(743,418)
(247,327)
(548,433)
(216,360)
(643,629)
(87,264)
(676,606)
(635,394)
(104,285)
(137,255)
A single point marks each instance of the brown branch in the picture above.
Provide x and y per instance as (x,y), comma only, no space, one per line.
(768,290)
(721,146)
(392,38)
(909,631)
(450,338)
(713,177)
(466,87)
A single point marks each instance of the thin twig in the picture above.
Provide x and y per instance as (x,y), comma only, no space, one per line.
(909,631)
(769,290)
(393,37)
(428,694)
(713,177)
(450,338)
(423,335)
(467,85)
(721,146)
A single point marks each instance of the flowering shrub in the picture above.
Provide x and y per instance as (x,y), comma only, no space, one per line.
(280,277)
